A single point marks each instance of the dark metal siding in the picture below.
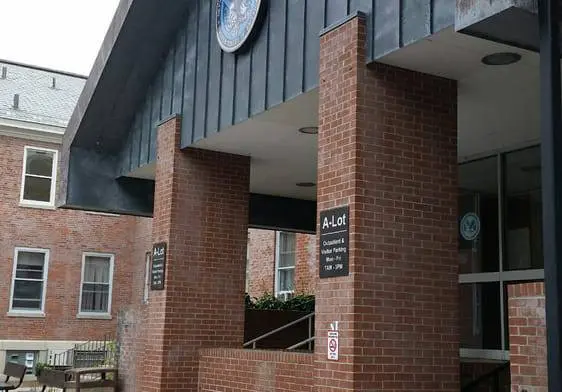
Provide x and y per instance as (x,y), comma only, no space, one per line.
(214,90)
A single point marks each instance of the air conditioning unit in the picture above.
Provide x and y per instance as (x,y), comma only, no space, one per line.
(285,296)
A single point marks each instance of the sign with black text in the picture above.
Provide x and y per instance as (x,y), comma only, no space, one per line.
(333,346)
(158,270)
(334,242)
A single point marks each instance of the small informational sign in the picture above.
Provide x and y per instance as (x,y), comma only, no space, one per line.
(333,345)
(158,269)
(334,242)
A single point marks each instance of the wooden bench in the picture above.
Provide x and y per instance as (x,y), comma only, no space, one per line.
(81,378)
(15,371)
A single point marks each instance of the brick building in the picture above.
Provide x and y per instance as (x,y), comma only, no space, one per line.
(280,263)
(59,248)
(65,273)
(432,192)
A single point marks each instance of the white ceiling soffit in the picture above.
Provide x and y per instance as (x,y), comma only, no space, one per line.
(498,109)
(281,156)
(498,106)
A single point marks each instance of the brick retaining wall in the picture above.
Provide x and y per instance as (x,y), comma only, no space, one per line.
(232,370)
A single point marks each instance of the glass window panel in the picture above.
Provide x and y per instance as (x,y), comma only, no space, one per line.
(287,249)
(523,210)
(30,265)
(31,258)
(480,316)
(286,260)
(478,205)
(28,289)
(95,298)
(96,269)
(27,294)
(39,163)
(28,274)
(37,188)
(147,277)
(287,242)
(286,279)
(26,304)
(96,288)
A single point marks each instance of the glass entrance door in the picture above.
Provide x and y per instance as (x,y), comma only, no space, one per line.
(500,242)
(479,256)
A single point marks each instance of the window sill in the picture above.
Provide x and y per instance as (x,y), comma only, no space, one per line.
(102,213)
(25,204)
(467,354)
(26,314)
(94,316)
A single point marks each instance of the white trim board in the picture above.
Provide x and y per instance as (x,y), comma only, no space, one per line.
(32,131)
(39,345)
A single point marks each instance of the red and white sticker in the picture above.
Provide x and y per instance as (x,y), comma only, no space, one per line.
(333,345)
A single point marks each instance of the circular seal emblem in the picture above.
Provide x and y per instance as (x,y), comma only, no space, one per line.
(235,21)
(470,226)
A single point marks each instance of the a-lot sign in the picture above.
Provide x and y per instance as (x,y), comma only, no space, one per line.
(158,268)
(334,242)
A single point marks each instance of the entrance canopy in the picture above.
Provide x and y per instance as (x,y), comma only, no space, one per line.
(162,60)
(255,101)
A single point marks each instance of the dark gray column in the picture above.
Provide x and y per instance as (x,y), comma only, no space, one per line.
(551,141)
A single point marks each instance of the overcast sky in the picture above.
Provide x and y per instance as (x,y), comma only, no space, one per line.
(61,34)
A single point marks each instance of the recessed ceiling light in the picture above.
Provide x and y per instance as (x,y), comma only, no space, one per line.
(309,130)
(306,184)
(501,58)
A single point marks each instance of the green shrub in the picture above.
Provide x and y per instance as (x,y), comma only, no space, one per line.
(300,302)
(39,366)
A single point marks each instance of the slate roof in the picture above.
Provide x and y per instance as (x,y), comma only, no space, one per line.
(39,102)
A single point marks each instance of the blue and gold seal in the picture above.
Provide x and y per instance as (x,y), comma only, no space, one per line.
(236,20)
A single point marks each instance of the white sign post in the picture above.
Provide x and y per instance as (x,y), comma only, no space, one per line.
(333,345)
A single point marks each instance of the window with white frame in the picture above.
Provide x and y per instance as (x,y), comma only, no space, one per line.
(285,263)
(29,280)
(96,285)
(146,277)
(39,176)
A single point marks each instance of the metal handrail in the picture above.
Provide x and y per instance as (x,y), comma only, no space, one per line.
(309,340)
(92,352)
(265,335)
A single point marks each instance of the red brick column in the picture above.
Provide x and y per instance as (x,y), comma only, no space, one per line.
(387,148)
(201,211)
(527,337)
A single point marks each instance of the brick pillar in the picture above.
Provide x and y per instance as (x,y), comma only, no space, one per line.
(387,148)
(201,211)
(527,337)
